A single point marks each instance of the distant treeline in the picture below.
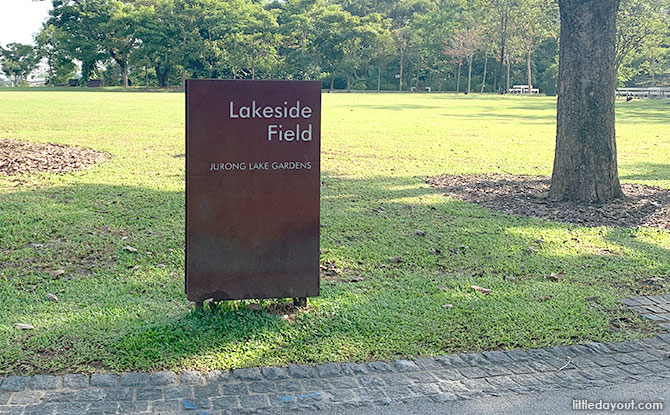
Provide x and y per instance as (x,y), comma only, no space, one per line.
(463,45)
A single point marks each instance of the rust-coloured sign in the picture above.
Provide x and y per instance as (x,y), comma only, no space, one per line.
(252,189)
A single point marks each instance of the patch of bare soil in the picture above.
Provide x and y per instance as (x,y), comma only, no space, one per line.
(18,157)
(525,196)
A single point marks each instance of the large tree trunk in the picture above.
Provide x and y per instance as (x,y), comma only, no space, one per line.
(508,69)
(402,65)
(504,21)
(530,77)
(469,73)
(162,75)
(495,79)
(486,61)
(253,68)
(124,73)
(458,78)
(585,163)
(379,79)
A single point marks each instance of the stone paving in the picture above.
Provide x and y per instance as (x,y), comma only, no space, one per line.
(270,390)
(652,307)
(303,387)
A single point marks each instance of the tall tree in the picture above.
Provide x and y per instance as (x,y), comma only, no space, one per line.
(18,60)
(538,19)
(585,163)
(381,52)
(111,25)
(503,15)
(51,45)
(259,39)
(637,21)
(160,44)
(464,45)
(332,25)
(434,30)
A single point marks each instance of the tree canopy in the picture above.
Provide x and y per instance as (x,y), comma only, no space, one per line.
(357,44)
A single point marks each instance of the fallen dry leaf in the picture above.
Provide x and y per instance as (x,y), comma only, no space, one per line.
(442,287)
(545,297)
(481,289)
(419,233)
(254,307)
(594,298)
(396,259)
(52,297)
(329,269)
(129,248)
(161,266)
(22,326)
(554,276)
(448,306)
(57,273)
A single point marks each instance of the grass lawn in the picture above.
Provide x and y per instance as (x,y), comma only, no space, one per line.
(120,310)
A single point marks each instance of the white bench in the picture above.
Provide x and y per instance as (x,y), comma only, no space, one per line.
(649,93)
(523,89)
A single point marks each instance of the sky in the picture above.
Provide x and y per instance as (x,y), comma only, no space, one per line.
(20,19)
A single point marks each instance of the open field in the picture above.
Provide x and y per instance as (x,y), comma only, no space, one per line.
(376,153)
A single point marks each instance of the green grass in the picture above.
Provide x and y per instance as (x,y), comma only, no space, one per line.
(377,150)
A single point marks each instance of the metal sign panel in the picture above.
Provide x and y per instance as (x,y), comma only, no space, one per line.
(252,189)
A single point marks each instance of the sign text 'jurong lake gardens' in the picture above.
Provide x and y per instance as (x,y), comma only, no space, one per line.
(252,163)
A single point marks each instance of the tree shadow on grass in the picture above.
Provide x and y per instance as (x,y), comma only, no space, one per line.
(640,113)
(647,172)
(393,107)
(119,318)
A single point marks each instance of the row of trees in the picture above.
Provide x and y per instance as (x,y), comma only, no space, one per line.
(363,44)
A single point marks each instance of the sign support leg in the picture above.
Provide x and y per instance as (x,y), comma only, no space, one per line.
(300,301)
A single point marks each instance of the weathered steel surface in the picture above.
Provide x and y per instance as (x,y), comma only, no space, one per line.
(252,232)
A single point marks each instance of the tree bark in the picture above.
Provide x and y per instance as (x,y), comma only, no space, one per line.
(585,163)
(379,79)
(504,21)
(162,75)
(469,73)
(124,72)
(495,80)
(530,77)
(458,78)
(402,65)
(508,69)
(253,68)
(486,61)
